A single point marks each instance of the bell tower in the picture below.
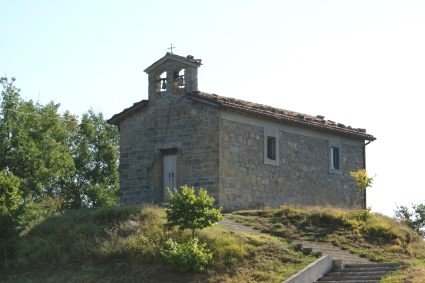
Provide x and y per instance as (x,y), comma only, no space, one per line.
(173,74)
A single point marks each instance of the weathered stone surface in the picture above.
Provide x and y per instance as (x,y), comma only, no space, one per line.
(225,151)
(301,178)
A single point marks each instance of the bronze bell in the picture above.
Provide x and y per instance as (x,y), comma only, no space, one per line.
(164,85)
(181,81)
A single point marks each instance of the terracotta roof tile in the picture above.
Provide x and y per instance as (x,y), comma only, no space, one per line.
(318,122)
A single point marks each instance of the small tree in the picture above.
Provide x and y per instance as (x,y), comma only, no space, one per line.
(187,210)
(414,219)
(362,179)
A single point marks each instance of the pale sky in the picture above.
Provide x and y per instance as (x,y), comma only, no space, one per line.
(360,63)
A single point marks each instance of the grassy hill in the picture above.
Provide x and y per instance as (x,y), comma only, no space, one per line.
(370,235)
(123,245)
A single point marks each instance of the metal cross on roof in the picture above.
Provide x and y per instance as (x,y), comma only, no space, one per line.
(171,48)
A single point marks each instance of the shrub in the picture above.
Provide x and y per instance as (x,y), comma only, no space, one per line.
(362,214)
(189,256)
(362,179)
(187,210)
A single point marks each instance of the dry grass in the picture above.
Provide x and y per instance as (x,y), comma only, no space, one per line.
(123,245)
(374,236)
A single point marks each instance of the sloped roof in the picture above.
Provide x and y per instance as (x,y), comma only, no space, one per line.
(267,112)
(136,107)
(261,111)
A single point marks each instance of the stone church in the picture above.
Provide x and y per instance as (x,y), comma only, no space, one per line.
(246,155)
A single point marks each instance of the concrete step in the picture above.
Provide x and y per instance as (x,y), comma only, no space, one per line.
(350,281)
(378,264)
(331,277)
(366,269)
(351,273)
(323,248)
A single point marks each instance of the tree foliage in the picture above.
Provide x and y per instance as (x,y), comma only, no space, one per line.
(362,179)
(10,204)
(10,195)
(189,256)
(94,148)
(414,217)
(50,162)
(56,155)
(33,143)
(189,210)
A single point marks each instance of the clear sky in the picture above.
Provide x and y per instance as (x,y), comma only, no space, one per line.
(360,63)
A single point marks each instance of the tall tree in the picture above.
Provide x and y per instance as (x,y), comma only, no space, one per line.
(94,147)
(33,143)
(56,155)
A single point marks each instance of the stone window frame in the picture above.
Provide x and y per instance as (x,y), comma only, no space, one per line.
(269,135)
(333,144)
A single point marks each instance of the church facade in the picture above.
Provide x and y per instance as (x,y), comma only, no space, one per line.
(246,155)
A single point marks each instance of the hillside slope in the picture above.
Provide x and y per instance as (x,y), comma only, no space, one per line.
(373,236)
(123,245)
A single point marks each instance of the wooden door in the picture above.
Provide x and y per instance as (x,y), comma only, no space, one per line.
(169,176)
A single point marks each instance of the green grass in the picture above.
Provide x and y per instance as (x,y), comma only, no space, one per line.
(123,245)
(374,236)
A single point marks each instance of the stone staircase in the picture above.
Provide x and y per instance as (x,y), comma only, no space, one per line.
(347,267)
(358,273)
(337,253)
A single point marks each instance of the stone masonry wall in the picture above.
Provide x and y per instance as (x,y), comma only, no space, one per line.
(170,121)
(302,176)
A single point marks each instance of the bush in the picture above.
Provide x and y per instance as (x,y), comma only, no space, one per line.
(362,214)
(189,210)
(189,256)
(362,179)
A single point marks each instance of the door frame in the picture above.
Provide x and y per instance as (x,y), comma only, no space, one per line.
(166,154)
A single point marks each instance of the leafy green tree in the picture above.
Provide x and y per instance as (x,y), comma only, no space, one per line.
(94,147)
(33,143)
(57,156)
(189,210)
(414,218)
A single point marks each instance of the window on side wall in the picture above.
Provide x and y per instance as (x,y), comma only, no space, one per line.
(335,157)
(335,153)
(271,146)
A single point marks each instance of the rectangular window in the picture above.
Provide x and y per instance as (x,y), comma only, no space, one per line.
(335,158)
(271,148)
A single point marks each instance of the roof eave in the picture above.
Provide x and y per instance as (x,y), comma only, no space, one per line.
(119,117)
(355,135)
(303,124)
